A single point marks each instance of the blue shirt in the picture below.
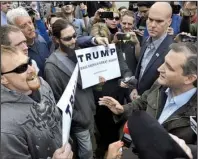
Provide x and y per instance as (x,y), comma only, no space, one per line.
(149,52)
(78,24)
(3,18)
(39,52)
(174,103)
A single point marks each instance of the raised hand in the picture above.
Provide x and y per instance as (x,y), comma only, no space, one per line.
(112,104)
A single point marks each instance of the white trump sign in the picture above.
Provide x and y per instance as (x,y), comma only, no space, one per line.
(97,61)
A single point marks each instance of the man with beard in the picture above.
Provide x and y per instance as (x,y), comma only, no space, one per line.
(68,11)
(30,120)
(58,70)
(37,46)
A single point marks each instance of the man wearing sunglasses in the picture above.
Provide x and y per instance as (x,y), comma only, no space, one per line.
(68,11)
(30,120)
(112,23)
(58,70)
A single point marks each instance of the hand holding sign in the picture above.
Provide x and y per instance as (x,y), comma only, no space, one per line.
(102,80)
(101,41)
(64,152)
(97,61)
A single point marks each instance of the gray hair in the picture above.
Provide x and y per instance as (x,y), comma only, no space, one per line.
(5,30)
(14,13)
(190,49)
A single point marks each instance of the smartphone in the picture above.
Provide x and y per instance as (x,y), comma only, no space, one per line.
(31,12)
(123,36)
(186,38)
(142,28)
(106,15)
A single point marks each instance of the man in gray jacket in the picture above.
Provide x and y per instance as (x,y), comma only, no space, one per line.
(58,70)
(30,120)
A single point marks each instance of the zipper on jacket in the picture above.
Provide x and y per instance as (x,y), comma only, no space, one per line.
(157,104)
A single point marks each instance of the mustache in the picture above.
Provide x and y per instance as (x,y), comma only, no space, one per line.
(67,49)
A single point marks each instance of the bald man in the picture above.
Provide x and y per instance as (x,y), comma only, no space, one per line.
(154,48)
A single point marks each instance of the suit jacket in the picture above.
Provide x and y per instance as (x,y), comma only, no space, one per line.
(151,74)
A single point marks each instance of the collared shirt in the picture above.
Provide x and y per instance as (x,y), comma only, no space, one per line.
(174,103)
(79,24)
(149,52)
(3,19)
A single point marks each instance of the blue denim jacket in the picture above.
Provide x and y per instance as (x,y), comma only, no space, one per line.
(39,52)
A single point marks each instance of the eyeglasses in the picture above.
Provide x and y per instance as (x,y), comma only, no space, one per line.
(20,69)
(116,18)
(69,37)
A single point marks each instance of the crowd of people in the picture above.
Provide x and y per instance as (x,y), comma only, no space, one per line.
(157,55)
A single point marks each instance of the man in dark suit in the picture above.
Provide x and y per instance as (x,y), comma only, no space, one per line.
(155,48)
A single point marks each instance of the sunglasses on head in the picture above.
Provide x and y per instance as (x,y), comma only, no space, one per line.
(69,37)
(116,18)
(20,69)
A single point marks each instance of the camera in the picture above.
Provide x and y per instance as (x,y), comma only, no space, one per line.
(106,15)
(186,38)
(123,36)
(31,12)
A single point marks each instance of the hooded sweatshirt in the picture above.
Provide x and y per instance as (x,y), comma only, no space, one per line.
(29,129)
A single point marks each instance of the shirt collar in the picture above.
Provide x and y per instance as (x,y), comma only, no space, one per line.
(3,14)
(182,98)
(157,42)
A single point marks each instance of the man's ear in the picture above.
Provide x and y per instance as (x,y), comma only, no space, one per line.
(4,80)
(56,40)
(190,79)
(73,8)
(169,22)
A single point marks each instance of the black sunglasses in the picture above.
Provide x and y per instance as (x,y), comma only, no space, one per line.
(20,69)
(69,37)
(116,18)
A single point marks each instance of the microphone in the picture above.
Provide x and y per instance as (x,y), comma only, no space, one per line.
(126,138)
(130,81)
